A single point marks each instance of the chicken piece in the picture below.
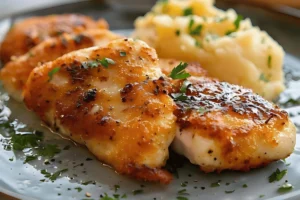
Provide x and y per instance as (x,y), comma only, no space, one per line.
(16,72)
(111,99)
(30,32)
(222,126)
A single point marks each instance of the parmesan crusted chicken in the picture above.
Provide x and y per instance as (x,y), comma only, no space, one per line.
(30,32)
(113,100)
(15,73)
(222,126)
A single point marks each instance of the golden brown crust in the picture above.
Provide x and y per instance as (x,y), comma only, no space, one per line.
(15,73)
(30,32)
(242,125)
(119,112)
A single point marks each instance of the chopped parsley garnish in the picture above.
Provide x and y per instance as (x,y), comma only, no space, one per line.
(105,62)
(52,72)
(277,175)
(177,32)
(117,187)
(179,96)
(261,196)
(53,176)
(179,72)
(263,78)
(181,198)
(245,186)
(30,158)
(184,86)
(136,192)
(88,182)
(197,30)
(188,11)
(216,184)
(49,151)
(191,23)
(11,159)
(236,23)
(198,44)
(124,196)
(182,192)
(22,141)
(106,197)
(229,192)
(269,61)
(285,187)
(184,184)
(79,189)
(122,53)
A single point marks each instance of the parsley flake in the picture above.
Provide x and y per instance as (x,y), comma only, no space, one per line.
(177,32)
(182,192)
(179,72)
(236,23)
(49,151)
(117,187)
(136,192)
(261,196)
(197,30)
(188,11)
(229,192)
(269,61)
(181,198)
(106,61)
(30,158)
(22,141)
(79,189)
(285,188)
(52,72)
(54,176)
(216,184)
(245,186)
(277,175)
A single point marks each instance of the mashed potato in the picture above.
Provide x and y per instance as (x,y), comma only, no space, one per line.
(225,44)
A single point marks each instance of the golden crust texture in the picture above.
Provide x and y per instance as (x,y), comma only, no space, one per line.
(15,73)
(32,31)
(113,100)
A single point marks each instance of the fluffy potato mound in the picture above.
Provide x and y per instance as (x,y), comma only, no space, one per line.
(224,43)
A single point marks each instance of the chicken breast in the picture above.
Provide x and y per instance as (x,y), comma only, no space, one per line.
(16,72)
(28,33)
(111,99)
(226,127)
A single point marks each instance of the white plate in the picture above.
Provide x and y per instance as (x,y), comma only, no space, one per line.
(23,180)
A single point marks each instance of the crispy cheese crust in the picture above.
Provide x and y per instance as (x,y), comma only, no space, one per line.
(15,73)
(30,32)
(121,111)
